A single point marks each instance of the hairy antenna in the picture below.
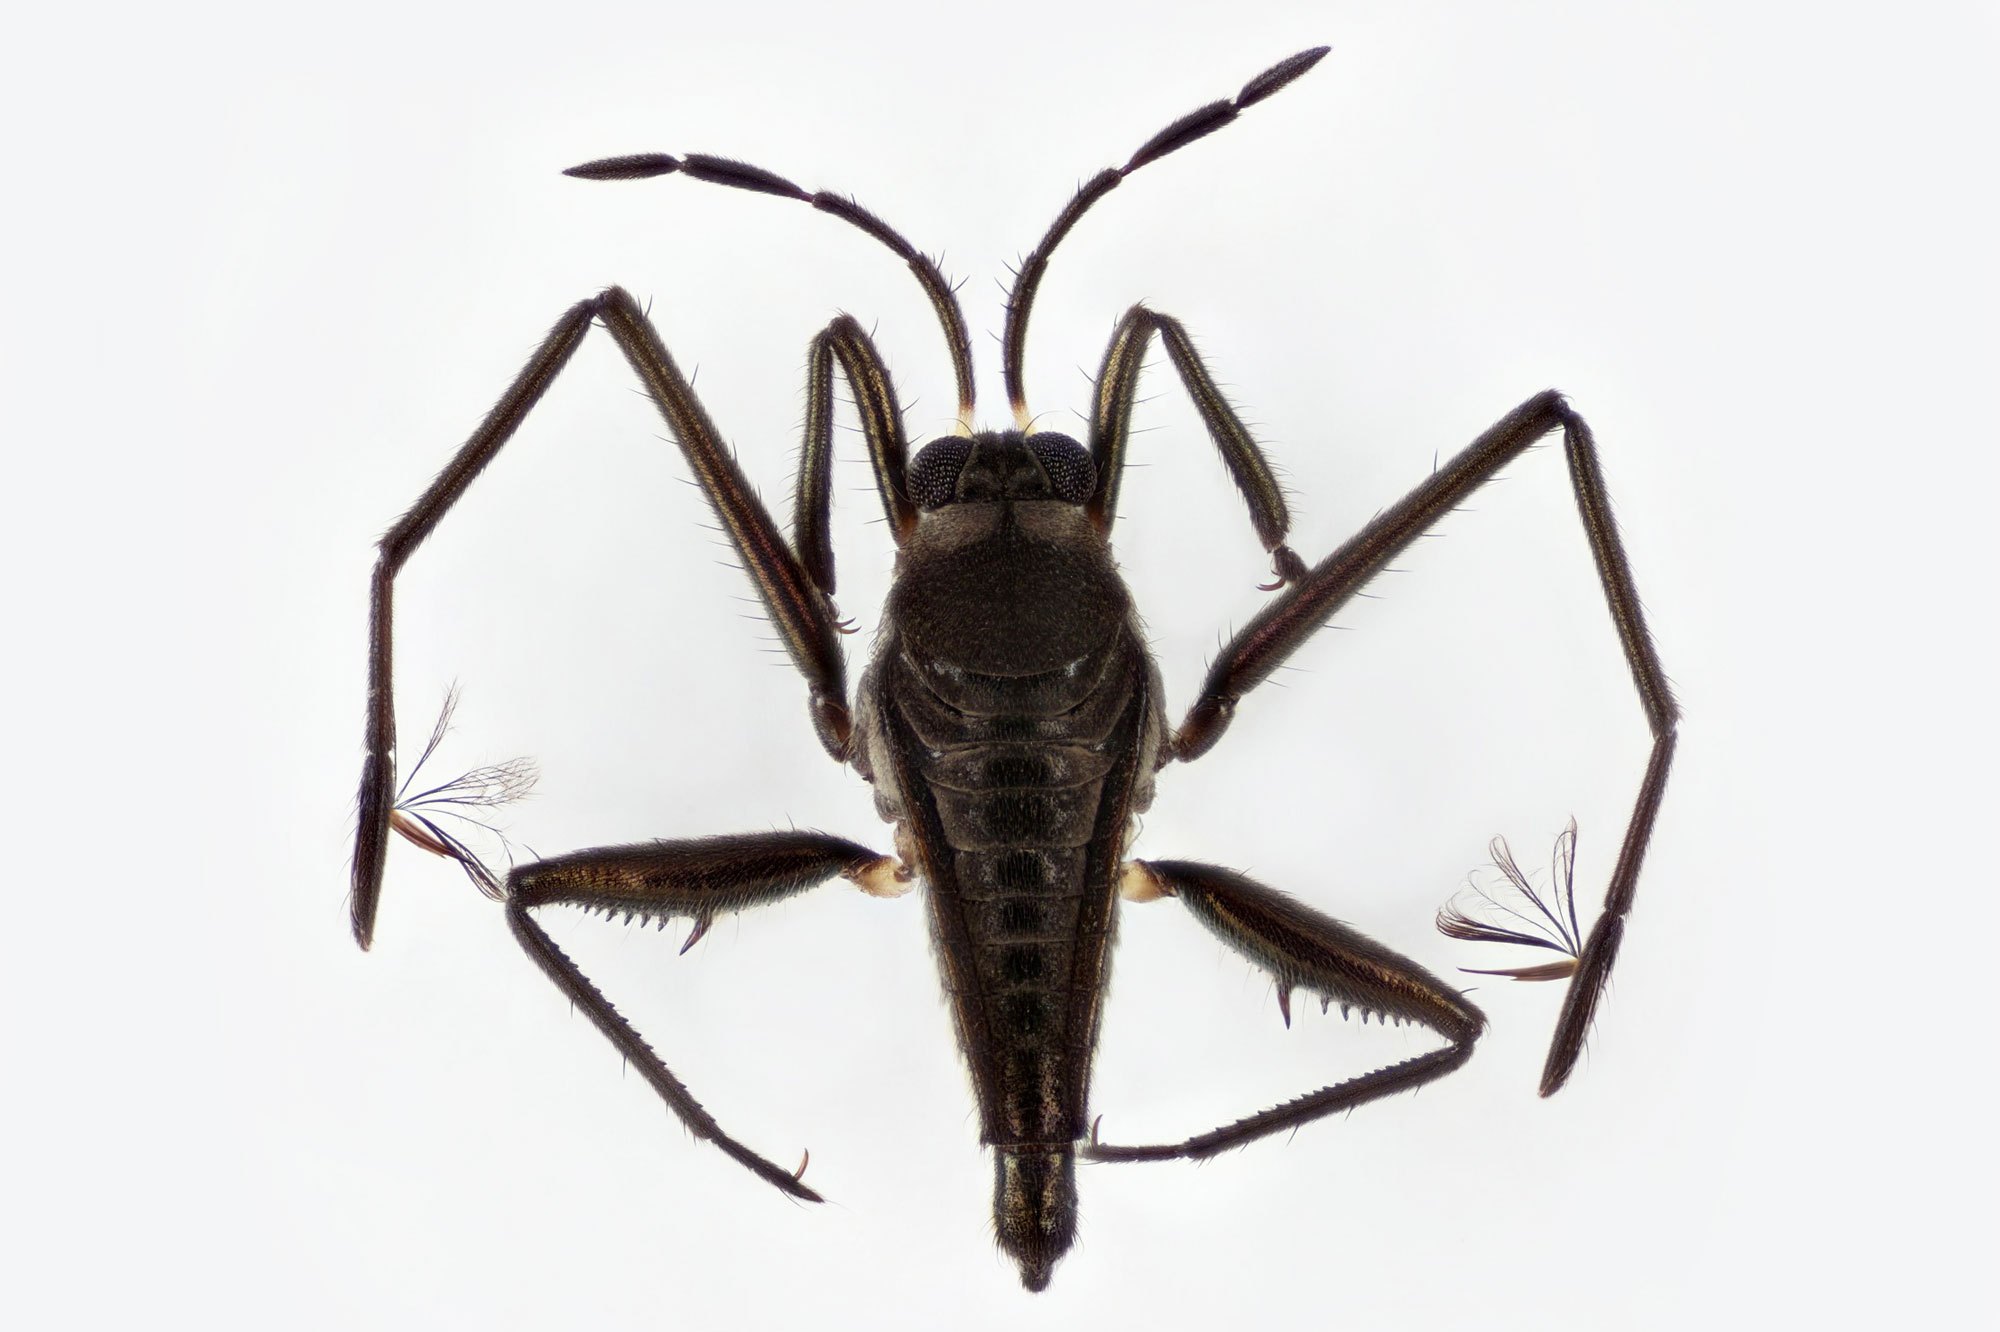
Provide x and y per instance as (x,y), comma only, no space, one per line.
(743,176)
(1194,125)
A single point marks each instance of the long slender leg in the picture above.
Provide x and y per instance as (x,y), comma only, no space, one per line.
(662,880)
(1277,631)
(1306,950)
(1111,428)
(799,609)
(378,768)
(843,341)
(1601,949)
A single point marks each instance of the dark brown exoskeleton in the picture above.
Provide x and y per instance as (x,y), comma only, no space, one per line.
(1011,721)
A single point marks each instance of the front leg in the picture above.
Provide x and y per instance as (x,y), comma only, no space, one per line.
(1304,950)
(843,342)
(696,880)
(1111,431)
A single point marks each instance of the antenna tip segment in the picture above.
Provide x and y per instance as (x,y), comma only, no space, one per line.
(1278,75)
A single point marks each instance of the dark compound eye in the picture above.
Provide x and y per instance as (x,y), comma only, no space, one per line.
(1071,472)
(933,476)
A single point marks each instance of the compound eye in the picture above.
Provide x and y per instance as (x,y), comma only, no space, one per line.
(1071,472)
(933,476)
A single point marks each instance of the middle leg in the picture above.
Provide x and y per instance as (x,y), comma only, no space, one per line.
(1277,631)
(793,585)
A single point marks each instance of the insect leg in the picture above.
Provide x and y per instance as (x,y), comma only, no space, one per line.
(1306,950)
(798,608)
(378,768)
(801,612)
(1277,631)
(1111,425)
(658,881)
(843,341)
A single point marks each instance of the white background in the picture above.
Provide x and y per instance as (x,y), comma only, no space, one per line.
(262,272)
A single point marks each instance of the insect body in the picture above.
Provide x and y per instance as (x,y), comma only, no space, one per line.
(1011,721)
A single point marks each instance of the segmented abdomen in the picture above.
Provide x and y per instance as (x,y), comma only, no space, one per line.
(1020,815)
